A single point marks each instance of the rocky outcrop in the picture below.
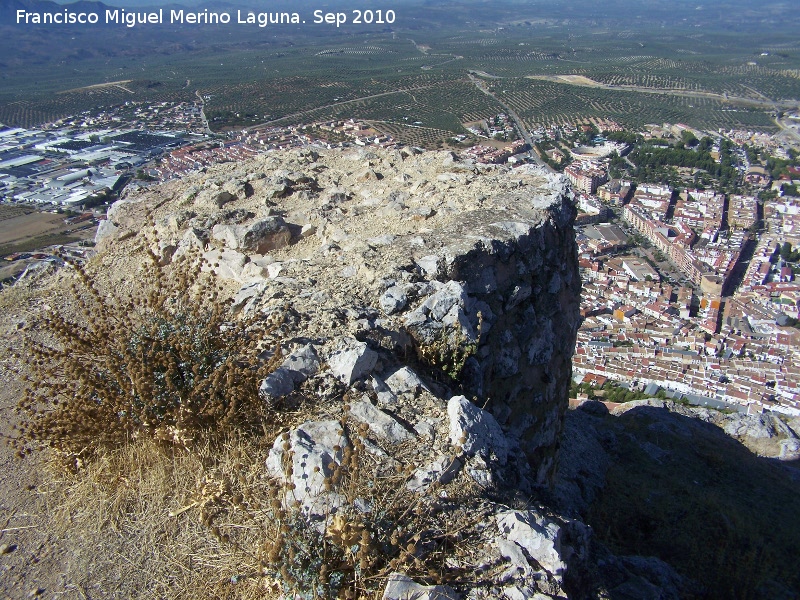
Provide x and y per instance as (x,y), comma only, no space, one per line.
(427,309)
(765,434)
(428,306)
(472,269)
(400,587)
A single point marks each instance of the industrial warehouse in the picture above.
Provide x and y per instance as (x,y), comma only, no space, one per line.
(64,168)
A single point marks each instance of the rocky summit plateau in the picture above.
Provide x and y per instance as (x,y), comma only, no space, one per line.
(379,256)
(438,298)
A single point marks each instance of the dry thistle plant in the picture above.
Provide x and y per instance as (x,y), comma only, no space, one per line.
(166,361)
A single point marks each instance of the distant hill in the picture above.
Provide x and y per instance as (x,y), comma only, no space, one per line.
(8,10)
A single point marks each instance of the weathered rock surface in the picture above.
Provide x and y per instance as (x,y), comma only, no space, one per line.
(353,360)
(258,237)
(401,587)
(226,263)
(476,431)
(538,536)
(298,366)
(442,470)
(382,425)
(314,446)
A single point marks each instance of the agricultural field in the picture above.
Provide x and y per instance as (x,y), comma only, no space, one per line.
(415,74)
(24,229)
(17,223)
(329,93)
(433,103)
(8,212)
(413,135)
(544,103)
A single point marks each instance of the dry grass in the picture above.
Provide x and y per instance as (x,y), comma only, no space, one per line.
(122,521)
(148,520)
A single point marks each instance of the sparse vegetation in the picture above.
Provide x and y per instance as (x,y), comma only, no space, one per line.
(151,401)
(611,391)
(207,522)
(379,526)
(165,361)
(449,351)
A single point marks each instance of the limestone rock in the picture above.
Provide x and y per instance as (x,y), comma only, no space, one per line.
(335,195)
(476,431)
(429,265)
(541,537)
(402,587)
(302,363)
(394,299)
(254,271)
(583,461)
(314,445)
(227,263)
(643,577)
(756,427)
(404,381)
(106,231)
(380,423)
(381,240)
(353,360)
(238,188)
(247,293)
(214,198)
(277,384)
(192,238)
(442,470)
(279,191)
(441,313)
(298,366)
(385,396)
(258,237)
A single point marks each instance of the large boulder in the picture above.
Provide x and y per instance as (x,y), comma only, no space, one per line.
(258,237)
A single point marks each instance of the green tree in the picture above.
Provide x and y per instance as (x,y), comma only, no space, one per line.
(688,138)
